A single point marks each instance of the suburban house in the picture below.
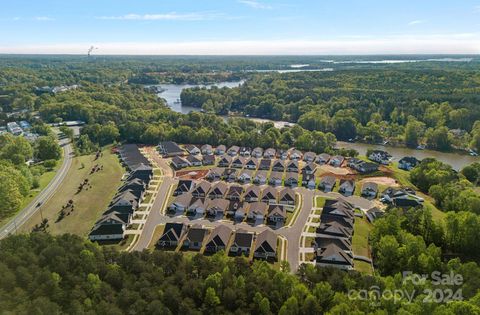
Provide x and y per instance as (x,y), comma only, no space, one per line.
(242,243)
(257,152)
(206,149)
(265,164)
(269,195)
(172,234)
(125,199)
(194,161)
(238,162)
(332,228)
(291,179)
(208,159)
(220,150)
(230,174)
(239,211)
(369,190)
(292,166)
(374,213)
(282,154)
(192,149)
(408,162)
(308,180)
(278,166)
(266,245)
(252,193)
(332,256)
(245,151)
(179,162)
(218,239)
(234,206)
(347,187)
(245,176)
(251,163)
(169,149)
(277,213)
(194,238)
(260,178)
(233,150)
(214,174)
(295,154)
(287,197)
(275,178)
(197,207)
(269,153)
(218,190)
(103,232)
(183,187)
(361,166)
(180,203)
(309,169)
(258,211)
(309,157)
(323,158)
(336,161)
(327,183)
(217,207)
(399,197)
(235,192)
(201,189)
(134,184)
(225,161)
(343,243)
(380,156)
(339,207)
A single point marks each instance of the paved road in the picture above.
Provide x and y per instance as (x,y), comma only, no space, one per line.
(43,196)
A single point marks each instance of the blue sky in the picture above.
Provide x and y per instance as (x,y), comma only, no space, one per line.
(240,26)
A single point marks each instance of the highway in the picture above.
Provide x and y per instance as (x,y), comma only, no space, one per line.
(25,214)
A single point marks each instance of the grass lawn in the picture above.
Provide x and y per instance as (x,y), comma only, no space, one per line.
(44,180)
(360,237)
(89,203)
(362,266)
(292,216)
(156,235)
(320,202)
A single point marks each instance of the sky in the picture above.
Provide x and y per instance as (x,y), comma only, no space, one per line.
(223,27)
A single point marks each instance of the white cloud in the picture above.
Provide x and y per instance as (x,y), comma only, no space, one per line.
(416,22)
(43,18)
(255,4)
(172,16)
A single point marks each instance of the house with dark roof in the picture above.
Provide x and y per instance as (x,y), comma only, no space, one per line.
(201,189)
(126,198)
(251,163)
(282,155)
(266,245)
(260,178)
(295,154)
(322,158)
(242,243)
(291,179)
(400,197)
(343,243)
(292,166)
(278,166)
(225,161)
(235,192)
(206,149)
(103,232)
(257,152)
(180,203)
(214,174)
(333,228)
(133,184)
(265,164)
(380,156)
(347,187)
(238,209)
(277,214)
(131,156)
(408,163)
(218,239)
(287,197)
(339,207)
(258,211)
(309,157)
(269,195)
(245,176)
(220,150)
(336,160)
(276,178)
(196,207)
(192,149)
(308,180)
(369,190)
(269,153)
(252,193)
(172,234)
(184,185)
(179,162)
(230,174)
(218,190)
(309,169)
(194,160)
(374,213)
(217,208)
(208,159)
(194,238)
(332,256)
(327,183)
(245,151)
(233,150)
(238,162)
(169,149)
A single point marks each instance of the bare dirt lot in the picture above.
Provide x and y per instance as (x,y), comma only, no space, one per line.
(381,180)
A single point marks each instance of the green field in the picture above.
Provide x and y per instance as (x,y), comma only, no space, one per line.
(89,203)
(362,266)
(360,237)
